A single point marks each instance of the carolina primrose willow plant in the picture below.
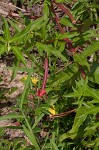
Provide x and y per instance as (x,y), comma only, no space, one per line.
(64,38)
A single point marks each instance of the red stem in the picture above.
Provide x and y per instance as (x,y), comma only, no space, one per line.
(69,43)
(66,11)
(45,73)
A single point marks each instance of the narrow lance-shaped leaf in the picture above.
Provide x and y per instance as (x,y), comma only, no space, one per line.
(81,116)
(46,10)
(15,68)
(64,76)
(15,25)
(37,120)
(6,30)
(90,49)
(50,49)
(25,88)
(31,137)
(34,25)
(19,54)
(11,116)
(54,145)
(3,49)
(2,40)
(96,75)
(81,58)
(77,123)
(21,34)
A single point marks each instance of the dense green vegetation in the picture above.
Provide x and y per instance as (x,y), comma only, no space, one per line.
(62,45)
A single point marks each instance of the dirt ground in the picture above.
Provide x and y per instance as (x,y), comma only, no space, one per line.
(9,98)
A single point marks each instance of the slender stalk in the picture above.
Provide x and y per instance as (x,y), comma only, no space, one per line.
(29,127)
(69,43)
(66,11)
(45,73)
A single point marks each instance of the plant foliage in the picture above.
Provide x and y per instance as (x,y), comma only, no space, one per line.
(64,39)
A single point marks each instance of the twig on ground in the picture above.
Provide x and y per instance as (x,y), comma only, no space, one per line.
(62,114)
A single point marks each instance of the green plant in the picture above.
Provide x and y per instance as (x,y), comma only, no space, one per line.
(67,48)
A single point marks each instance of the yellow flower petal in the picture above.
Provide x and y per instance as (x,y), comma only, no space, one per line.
(52,110)
(34,80)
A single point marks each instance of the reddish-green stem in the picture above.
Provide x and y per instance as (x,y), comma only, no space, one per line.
(66,11)
(45,73)
(69,43)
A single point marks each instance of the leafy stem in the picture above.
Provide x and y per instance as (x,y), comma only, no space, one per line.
(69,42)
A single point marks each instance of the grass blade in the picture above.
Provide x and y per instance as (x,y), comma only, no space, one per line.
(31,137)
(25,88)
(10,116)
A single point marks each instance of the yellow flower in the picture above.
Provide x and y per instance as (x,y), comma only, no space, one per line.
(52,110)
(34,80)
